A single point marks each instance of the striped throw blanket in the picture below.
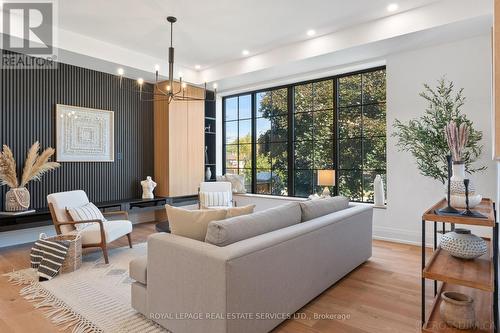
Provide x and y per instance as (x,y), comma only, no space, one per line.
(48,256)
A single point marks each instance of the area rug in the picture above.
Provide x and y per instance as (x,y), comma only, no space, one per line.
(95,298)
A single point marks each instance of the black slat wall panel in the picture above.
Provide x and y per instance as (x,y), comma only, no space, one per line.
(27,114)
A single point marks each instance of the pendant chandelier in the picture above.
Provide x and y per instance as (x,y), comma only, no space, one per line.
(169,92)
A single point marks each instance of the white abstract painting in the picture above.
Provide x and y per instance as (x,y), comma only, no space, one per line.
(84,135)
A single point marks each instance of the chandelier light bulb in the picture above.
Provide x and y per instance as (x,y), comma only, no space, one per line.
(140,81)
(157,68)
(215,86)
(168,88)
(120,71)
(180,75)
(184,85)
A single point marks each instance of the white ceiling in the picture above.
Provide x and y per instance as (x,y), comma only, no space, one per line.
(214,32)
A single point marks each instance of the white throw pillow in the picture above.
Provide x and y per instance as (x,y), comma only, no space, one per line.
(84,213)
(211,199)
(237,182)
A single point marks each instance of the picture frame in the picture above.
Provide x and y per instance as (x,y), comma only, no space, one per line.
(84,134)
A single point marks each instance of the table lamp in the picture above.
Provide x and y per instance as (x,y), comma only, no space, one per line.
(326,178)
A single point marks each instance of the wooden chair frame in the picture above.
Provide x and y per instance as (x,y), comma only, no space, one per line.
(102,244)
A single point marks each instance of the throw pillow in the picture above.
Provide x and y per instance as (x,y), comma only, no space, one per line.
(192,223)
(312,209)
(237,211)
(237,183)
(86,212)
(211,199)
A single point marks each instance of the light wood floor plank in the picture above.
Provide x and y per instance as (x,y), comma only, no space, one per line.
(382,295)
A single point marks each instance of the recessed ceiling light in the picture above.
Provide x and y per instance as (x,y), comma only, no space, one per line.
(245,52)
(197,66)
(392,7)
(311,32)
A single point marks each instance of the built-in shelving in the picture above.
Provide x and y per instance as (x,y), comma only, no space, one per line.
(210,134)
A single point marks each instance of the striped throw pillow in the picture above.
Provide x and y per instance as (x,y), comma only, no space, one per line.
(214,199)
(84,213)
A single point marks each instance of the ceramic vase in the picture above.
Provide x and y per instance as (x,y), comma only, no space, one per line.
(457,310)
(457,197)
(378,191)
(208,174)
(461,243)
(17,200)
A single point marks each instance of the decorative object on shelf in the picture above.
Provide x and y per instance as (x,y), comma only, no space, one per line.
(208,174)
(206,155)
(424,138)
(457,138)
(167,93)
(448,209)
(148,186)
(461,243)
(378,191)
(468,212)
(208,128)
(84,134)
(18,197)
(326,178)
(314,196)
(457,310)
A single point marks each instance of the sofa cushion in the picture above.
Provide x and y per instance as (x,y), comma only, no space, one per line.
(312,209)
(237,211)
(138,269)
(232,230)
(192,223)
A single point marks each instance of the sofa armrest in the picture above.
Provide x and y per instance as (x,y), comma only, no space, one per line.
(185,276)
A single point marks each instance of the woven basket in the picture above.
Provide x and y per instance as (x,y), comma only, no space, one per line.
(73,259)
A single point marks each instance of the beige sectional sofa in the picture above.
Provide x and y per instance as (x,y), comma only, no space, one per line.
(252,284)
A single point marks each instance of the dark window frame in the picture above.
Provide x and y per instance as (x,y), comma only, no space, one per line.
(291,128)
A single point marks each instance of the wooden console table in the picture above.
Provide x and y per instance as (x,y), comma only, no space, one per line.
(476,278)
(42,216)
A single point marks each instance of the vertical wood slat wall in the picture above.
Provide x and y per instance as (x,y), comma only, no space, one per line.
(28,101)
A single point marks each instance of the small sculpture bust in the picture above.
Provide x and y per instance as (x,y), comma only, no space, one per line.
(148,186)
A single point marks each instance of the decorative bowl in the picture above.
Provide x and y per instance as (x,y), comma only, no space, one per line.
(462,244)
(458,201)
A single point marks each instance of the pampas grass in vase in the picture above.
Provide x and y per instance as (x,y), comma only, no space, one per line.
(18,197)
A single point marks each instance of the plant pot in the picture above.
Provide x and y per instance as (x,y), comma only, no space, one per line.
(457,310)
(17,200)
(462,244)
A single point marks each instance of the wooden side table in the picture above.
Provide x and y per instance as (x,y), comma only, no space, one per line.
(477,278)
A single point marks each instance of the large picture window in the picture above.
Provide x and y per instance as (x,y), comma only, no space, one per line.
(279,138)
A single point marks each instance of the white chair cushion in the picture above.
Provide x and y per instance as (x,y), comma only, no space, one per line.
(85,212)
(63,200)
(215,199)
(112,229)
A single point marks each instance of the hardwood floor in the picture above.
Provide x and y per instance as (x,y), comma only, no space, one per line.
(382,295)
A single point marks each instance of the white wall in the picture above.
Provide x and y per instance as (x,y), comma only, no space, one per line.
(468,64)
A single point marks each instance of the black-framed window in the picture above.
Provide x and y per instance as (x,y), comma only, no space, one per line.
(238,137)
(280,137)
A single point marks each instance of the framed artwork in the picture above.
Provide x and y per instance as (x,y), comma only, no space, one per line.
(84,135)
